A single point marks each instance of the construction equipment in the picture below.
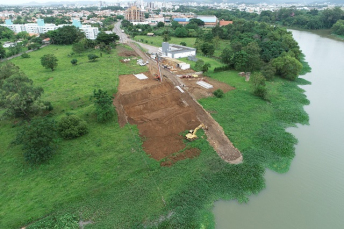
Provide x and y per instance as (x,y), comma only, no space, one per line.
(157,77)
(192,133)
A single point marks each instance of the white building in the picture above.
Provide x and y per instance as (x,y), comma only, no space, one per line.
(41,27)
(90,32)
(176,51)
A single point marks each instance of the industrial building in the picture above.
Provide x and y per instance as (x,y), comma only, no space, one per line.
(176,51)
(40,27)
(209,20)
(134,14)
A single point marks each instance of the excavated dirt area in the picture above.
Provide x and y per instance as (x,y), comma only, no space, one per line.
(160,114)
(122,51)
(199,92)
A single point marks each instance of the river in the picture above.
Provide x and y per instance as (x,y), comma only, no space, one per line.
(311,194)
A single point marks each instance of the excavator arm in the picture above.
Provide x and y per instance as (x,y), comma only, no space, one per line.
(192,136)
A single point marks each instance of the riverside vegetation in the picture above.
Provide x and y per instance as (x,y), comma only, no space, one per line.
(106,177)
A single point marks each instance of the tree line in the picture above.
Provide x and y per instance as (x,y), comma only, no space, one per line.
(304,19)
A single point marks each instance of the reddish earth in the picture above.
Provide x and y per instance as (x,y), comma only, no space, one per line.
(121,51)
(160,114)
(199,92)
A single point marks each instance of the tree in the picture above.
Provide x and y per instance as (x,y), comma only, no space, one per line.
(208,49)
(106,38)
(208,37)
(78,48)
(175,25)
(160,24)
(206,67)
(74,61)
(287,67)
(6,70)
(253,56)
(181,32)
(259,87)
(2,52)
(20,98)
(72,126)
(268,71)
(65,35)
(49,61)
(104,105)
(226,56)
(338,27)
(6,33)
(199,65)
(22,35)
(37,140)
(166,37)
(92,57)
(183,43)
(197,21)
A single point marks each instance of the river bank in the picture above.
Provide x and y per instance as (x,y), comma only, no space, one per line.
(309,196)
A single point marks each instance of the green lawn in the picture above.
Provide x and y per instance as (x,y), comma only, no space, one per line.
(212,61)
(106,177)
(157,40)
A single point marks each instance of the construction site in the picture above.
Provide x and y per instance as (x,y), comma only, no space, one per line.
(163,104)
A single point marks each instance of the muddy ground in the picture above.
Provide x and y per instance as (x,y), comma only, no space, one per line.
(160,114)
(199,92)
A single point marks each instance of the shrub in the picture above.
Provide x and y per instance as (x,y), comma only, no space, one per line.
(74,61)
(199,65)
(218,93)
(25,55)
(72,127)
(222,68)
(183,43)
(259,87)
(104,105)
(37,140)
(92,57)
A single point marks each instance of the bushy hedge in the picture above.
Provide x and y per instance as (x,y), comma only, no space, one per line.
(72,127)
(223,68)
(218,93)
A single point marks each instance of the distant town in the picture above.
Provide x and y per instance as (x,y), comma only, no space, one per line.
(92,18)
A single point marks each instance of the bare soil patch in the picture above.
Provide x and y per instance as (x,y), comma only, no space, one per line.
(158,111)
(122,51)
(199,92)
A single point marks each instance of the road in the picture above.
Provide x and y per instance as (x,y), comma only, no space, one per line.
(123,38)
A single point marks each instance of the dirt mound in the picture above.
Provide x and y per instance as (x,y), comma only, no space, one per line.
(159,112)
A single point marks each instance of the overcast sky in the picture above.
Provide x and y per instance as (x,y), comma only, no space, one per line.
(13,2)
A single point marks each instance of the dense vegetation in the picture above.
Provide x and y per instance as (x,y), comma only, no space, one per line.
(312,19)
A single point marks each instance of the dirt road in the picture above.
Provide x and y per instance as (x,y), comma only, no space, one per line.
(216,136)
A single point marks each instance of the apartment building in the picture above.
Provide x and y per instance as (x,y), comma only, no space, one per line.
(134,14)
(40,27)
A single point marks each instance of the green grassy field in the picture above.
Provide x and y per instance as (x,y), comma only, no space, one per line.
(106,177)
(157,40)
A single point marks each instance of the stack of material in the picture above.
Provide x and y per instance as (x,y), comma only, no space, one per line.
(204,84)
(141,76)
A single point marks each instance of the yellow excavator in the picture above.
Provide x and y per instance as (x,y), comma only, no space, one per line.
(192,133)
